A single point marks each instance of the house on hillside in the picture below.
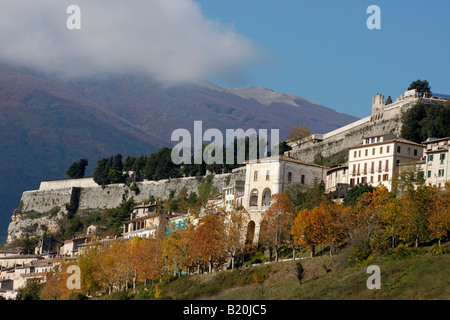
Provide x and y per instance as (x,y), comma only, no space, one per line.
(376,160)
(437,164)
(336,183)
(272,175)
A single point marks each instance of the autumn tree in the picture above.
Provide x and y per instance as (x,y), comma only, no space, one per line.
(299,135)
(304,229)
(236,231)
(89,264)
(55,287)
(278,219)
(209,239)
(335,224)
(172,252)
(439,219)
(415,213)
(148,256)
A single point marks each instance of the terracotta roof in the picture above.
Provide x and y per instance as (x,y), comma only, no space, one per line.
(386,142)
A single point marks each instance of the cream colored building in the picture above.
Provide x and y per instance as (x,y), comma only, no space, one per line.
(336,184)
(233,196)
(437,164)
(268,176)
(376,160)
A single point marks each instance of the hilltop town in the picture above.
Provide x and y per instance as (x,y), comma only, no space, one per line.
(372,153)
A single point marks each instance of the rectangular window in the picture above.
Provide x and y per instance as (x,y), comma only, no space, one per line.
(409,150)
(387,149)
(379,166)
(442,157)
(379,178)
(359,153)
(267,175)
(430,157)
(255,176)
(302,179)
(399,149)
(415,152)
(367,151)
(385,177)
(373,151)
(359,167)
(387,165)
(365,167)
(289,176)
(429,174)
(354,168)
(372,167)
(381,150)
(352,182)
(371,178)
(354,154)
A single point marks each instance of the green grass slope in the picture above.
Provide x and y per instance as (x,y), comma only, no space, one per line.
(412,278)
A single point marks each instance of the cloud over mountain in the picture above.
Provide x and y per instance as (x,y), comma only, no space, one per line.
(170,40)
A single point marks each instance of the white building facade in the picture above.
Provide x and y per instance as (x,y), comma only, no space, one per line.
(377,159)
(437,164)
(268,176)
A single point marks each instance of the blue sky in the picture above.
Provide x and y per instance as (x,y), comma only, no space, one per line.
(323,51)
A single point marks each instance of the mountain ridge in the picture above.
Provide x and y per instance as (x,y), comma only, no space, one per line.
(48,123)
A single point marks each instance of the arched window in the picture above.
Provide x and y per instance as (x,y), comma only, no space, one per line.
(254,198)
(266,195)
(255,176)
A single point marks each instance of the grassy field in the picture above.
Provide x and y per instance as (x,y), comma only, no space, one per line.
(414,277)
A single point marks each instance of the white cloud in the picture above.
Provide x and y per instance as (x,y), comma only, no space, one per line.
(168,39)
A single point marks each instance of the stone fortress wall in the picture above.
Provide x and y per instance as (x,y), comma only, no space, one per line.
(44,207)
(385,118)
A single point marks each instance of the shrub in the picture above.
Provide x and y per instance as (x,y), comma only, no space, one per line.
(436,250)
(300,271)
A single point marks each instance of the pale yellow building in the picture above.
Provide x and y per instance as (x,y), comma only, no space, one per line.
(376,160)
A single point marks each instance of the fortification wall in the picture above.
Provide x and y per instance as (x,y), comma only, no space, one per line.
(111,196)
(43,201)
(385,120)
(67,183)
(347,139)
(42,209)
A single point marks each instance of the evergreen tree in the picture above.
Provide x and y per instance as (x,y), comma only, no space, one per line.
(77,169)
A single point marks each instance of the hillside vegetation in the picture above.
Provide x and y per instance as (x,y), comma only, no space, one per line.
(417,275)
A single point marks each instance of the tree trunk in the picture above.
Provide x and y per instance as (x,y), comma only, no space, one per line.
(276,254)
(313,250)
(417,242)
